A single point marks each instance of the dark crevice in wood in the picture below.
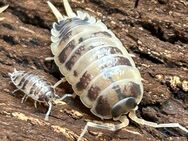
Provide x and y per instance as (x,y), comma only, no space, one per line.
(158,31)
(9,39)
(32,19)
(109,10)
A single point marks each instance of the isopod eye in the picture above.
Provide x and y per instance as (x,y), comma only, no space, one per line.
(123,106)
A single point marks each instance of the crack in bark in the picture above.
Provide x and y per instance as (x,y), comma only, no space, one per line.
(32,19)
(157,30)
(9,39)
(154,58)
(106,8)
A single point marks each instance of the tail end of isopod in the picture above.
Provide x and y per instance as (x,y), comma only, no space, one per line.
(55,11)
(68,9)
(3,8)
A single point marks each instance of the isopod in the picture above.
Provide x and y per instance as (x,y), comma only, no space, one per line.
(99,68)
(3,9)
(35,87)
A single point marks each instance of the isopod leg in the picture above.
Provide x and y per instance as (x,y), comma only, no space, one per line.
(132,55)
(48,112)
(67,95)
(24,98)
(35,104)
(2,18)
(13,93)
(133,116)
(59,82)
(107,126)
(49,59)
(3,8)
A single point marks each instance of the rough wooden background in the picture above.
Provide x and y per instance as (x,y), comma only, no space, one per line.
(156,32)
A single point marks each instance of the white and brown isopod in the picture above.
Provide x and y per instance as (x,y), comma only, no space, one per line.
(35,87)
(99,68)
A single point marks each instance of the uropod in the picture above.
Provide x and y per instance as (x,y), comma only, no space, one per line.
(3,9)
(99,68)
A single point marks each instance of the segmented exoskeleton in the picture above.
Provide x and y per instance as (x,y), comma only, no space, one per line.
(3,9)
(35,87)
(99,68)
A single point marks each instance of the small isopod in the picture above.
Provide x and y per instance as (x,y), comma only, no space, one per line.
(35,87)
(3,9)
(99,68)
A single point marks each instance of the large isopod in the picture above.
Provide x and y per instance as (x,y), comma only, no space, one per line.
(99,68)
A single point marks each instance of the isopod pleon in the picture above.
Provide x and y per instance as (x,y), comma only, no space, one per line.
(34,87)
(99,68)
(3,9)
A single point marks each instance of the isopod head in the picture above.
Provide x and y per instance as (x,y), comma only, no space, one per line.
(123,107)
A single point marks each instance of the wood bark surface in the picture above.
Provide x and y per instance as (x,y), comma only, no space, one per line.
(156,32)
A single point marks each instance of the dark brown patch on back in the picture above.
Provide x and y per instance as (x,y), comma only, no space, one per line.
(119,92)
(71,62)
(84,81)
(80,50)
(103,107)
(114,50)
(115,61)
(75,73)
(93,92)
(22,81)
(81,40)
(124,61)
(107,50)
(25,83)
(67,36)
(96,34)
(132,89)
(33,88)
(76,55)
(66,51)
